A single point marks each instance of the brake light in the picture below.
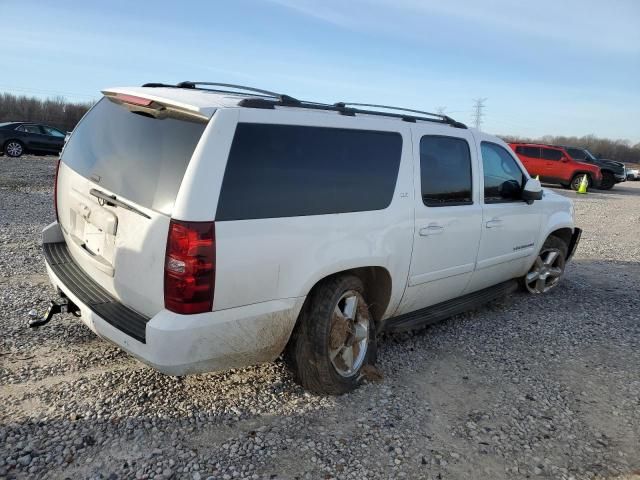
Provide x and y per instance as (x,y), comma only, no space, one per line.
(55,191)
(133,100)
(189,268)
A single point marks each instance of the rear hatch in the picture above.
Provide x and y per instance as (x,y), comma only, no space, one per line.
(119,176)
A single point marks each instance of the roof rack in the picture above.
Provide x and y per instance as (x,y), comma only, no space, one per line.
(229,88)
(259,98)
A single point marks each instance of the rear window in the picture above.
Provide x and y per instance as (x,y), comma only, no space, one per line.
(140,158)
(287,171)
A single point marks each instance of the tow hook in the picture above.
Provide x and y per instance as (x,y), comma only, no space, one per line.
(62,305)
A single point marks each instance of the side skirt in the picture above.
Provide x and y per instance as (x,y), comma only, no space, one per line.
(435,313)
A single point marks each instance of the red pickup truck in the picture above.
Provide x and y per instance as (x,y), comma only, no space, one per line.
(554,165)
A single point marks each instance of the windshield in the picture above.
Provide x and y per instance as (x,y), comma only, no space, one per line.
(140,158)
(590,155)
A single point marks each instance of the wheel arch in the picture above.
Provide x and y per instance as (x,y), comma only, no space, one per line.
(9,140)
(377,287)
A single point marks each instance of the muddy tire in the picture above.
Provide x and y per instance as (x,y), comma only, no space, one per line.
(334,339)
(548,268)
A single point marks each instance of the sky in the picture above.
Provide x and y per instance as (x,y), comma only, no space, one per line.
(558,67)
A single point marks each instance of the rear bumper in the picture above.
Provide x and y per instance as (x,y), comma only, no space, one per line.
(573,243)
(177,344)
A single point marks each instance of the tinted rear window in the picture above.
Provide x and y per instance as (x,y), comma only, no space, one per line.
(286,171)
(140,158)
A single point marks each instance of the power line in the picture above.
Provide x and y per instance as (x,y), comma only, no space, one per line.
(478,111)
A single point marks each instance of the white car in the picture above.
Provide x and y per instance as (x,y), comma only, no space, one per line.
(207,226)
(633,174)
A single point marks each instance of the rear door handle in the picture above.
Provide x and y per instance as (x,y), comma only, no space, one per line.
(431,229)
(494,222)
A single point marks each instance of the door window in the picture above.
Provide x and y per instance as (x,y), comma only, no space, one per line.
(551,154)
(445,171)
(29,129)
(531,152)
(503,179)
(53,132)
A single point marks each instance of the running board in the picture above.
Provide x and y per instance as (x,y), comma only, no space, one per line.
(440,311)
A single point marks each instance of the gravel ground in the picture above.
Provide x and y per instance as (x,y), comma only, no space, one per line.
(524,387)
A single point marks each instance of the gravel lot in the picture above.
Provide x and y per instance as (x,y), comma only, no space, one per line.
(525,387)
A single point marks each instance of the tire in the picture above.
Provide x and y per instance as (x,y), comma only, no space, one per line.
(318,351)
(13,148)
(548,268)
(577,178)
(608,181)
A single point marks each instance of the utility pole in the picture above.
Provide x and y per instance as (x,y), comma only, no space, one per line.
(478,111)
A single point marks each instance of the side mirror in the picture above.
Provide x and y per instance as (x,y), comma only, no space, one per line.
(532,191)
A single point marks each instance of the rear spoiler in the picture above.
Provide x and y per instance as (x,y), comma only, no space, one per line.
(156,107)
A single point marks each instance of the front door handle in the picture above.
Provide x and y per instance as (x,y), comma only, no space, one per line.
(431,229)
(494,222)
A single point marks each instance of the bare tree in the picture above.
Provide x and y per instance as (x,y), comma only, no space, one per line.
(56,112)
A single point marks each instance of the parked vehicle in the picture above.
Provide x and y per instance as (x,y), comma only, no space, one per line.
(554,165)
(633,174)
(18,138)
(612,172)
(208,229)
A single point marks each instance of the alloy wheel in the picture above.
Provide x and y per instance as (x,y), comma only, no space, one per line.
(13,149)
(546,271)
(349,334)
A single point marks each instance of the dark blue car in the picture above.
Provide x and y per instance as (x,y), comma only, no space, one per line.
(17,138)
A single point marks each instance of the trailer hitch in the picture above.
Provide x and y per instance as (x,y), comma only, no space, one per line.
(62,305)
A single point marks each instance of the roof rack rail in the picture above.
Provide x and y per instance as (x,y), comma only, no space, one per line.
(260,98)
(285,99)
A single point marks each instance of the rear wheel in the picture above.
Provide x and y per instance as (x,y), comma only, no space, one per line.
(13,148)
(577,180)
(334,339)
(608,181)
(548,268)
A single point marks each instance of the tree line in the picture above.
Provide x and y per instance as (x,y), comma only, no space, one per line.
(621,150)
(58,112)
(55,112)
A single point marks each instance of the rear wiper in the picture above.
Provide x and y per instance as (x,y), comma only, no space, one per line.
(112,201)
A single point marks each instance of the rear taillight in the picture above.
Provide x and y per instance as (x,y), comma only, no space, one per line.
(55,191)
(189,268)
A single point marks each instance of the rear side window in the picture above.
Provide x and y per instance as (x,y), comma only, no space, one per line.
(551,154)
(289,170)
(445,171)
(140,158)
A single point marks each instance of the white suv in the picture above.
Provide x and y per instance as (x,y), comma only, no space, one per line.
(208,226)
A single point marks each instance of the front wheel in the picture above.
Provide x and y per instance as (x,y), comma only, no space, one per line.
(13,148)
(577,180)
(334,339)
(548,268)
(608,181)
